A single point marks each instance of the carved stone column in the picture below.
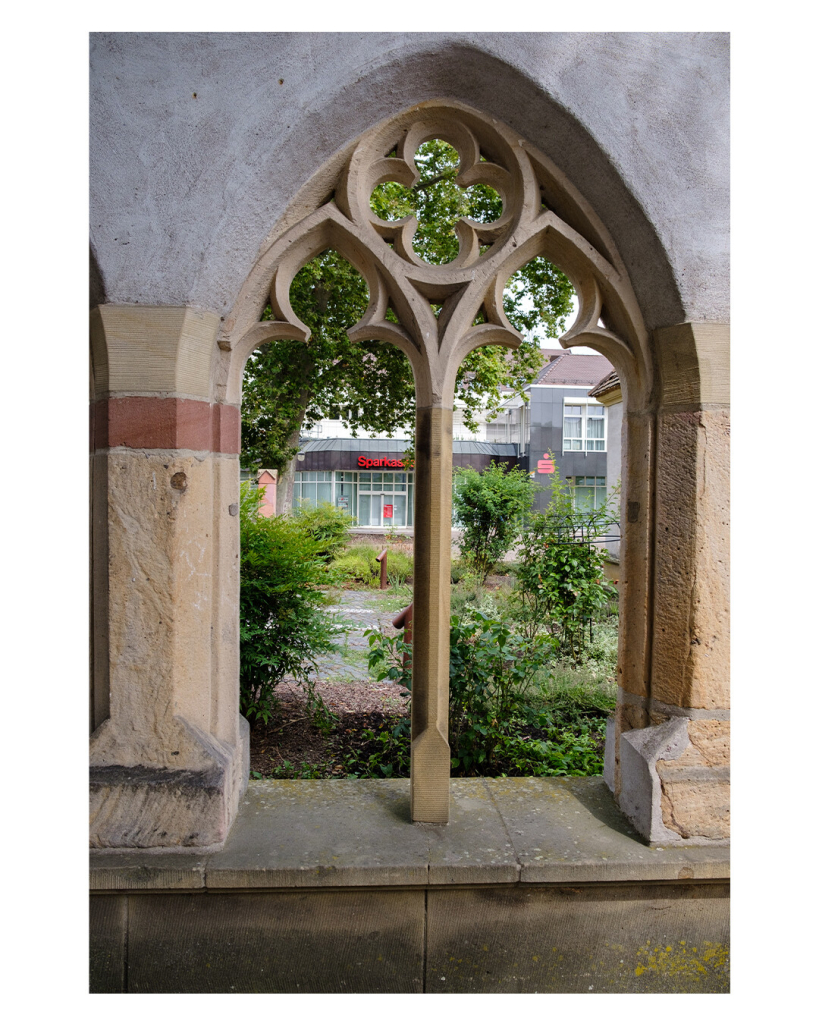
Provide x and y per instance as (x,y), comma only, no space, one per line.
(672,771)
(169,749)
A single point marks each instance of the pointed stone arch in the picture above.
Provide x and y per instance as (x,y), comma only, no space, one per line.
(170,748)
(543,215)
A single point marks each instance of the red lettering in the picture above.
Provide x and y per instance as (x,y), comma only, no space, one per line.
(365,463)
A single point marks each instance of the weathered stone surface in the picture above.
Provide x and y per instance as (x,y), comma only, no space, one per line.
(695,801)
(168,423)
(671,789)
(164,695)
(690,658)
(430,652)
(569,939)
(695,365)
(134,870)
(169,750)
(152,349)
(108,930)
(609,753)
(571,830)
(475,847)
(324,833)
(710,745)
(229,168)
(695,787)
(336,942)
(299,898)
(639,795)
(139,807)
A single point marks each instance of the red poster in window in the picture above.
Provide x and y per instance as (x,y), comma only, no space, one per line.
(546,464)
(388,511)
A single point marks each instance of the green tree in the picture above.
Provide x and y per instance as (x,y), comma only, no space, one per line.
(289,385)
(490,507)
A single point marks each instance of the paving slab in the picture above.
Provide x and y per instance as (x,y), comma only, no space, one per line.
(322,833)
(570,829)
(355,832)
(133,869)
(474,848)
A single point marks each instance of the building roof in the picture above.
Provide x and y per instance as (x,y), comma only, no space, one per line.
(548,355)
(574,369)
(608,383)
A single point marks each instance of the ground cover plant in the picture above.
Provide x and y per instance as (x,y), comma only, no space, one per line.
(360,568)
(516,708)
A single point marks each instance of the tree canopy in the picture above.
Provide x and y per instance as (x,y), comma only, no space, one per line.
(290,385)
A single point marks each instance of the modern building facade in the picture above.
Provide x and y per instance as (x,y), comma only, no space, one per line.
(368,477)
(563,425)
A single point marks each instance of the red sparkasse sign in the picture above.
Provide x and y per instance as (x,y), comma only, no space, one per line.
(365,463)
(546,464)
(388,511)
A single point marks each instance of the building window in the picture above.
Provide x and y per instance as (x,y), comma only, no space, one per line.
(506,428)
(375,499)
(584,426)
(312,488)
(588,492)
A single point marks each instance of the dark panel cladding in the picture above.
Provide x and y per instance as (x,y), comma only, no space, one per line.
(326,461)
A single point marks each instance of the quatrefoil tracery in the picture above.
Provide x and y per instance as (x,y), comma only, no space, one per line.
(472,234)
(382,252)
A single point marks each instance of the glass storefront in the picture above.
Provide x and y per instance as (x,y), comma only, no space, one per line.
(375,499)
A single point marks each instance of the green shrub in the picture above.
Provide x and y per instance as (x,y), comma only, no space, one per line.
(327,525)
(283,624)
(559,576)
(491,672)
(490,506)
(457,570)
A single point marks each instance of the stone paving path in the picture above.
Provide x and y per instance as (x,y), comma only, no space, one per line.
(359,608)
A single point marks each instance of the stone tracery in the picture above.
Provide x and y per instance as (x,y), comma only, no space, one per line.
(542,215)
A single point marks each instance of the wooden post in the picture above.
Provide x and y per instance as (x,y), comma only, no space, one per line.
(382,558)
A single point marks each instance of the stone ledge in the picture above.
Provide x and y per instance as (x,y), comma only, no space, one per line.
(349,833)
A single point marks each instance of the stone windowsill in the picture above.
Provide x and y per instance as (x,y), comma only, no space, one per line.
(309,834)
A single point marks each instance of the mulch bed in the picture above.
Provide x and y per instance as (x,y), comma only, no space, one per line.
(293,738)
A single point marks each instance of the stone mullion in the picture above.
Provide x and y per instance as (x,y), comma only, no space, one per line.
(430,656)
